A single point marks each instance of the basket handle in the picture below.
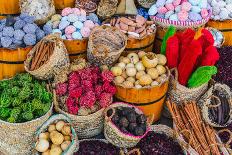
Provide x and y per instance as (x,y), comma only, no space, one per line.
(214,106)
(227,145)
(105,113)
(135,150)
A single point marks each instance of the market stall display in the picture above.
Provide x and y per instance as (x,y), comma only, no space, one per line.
(10,7)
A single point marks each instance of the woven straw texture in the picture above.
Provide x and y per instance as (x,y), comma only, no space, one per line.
(17,138)
(114,135)
(146,3)
(179,24)
(205,102)
(85,126)
(58,61)
(107,8)
(74,146)
(105,45)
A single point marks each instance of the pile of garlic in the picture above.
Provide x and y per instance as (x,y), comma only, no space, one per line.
(140,70)
(55,140)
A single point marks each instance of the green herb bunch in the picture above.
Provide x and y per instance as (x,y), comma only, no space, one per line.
(23,98)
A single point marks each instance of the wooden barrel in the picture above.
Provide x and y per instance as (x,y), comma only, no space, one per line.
(76,48)
(225,27)
(61,4)
(150,100)
(143,44)
(9,7)
(12,61)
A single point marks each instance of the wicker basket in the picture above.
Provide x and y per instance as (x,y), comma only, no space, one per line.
(205,103)
(17,138)
(57,62)
(85,126)
(227,144)
(73,147)
(114,135)
(146,3)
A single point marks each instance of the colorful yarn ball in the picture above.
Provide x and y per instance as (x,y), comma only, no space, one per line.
(19,34)
(160,15)
(169,1)
(221,4)
(216,10)
(168,14)
(224,14)
(85,32)
(63,24)
(196,9)
(29,39)
(78,24)
(65,18)
(178,9)
(39,34)
(173,17)
(93,17)
(96,24)
(89,24)
(70,29)
(182,15)
(76,11)
(160,3)
(63,37)
(204,13)
(162,10)
(56,31)
(19,24)
(56,17)
(153,10)
(83,12)
(186,6)
(6,41)
(82,18)
(55,24)
(176,2)
(194,2)
(72,18)
(47,29)
(66,11)
(170,6)
(193,16)
(203,4)
(77,35)
(8,31)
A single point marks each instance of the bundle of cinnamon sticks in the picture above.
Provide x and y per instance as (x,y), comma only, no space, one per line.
(43,50)
(201,137)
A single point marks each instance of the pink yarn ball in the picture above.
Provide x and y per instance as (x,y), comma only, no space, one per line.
(162,10)
(69,36)
(176,2)
(170,6)
(182,15)
(83,13)
(70,29)
(66,11)
(85,32)
(186,6)
(76,11)
(204,13)
(89,24)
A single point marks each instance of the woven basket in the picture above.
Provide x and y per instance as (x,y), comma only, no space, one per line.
(85,126)
(146,3)
(216,43)
(114,135)
(107,8)
(180,24)
(105,45)
(57,62)
(73,147)
(205,103)
(17,138)
(227,144)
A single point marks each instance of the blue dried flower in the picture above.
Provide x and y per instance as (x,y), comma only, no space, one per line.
(19,34)
(93,17)
(17,42)
(30,28)
(3,21)
(8,32)
(2,26)
(19,24)
(47,29)
(28,19)
(29,39)
(6,41)
(0,34)
(13,46)
(39,34)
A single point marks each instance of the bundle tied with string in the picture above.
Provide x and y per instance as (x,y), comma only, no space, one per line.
(216,105)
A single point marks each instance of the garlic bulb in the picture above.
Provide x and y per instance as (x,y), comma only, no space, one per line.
(131,79)
(65,145)
(44,135)
(141,54)
(131,71)
(145,80)
(66,130)
(46,152)
(128,84)
(137,82)
(161,69)
(117,71)
(130,65)
(56,151)
(121,65)
(120,59)
(124,75)
(154,83)
(125,60)
(153,73)
(139,74)
(149,60)
(138,86)
(59,125)
(139,66)
(51,128)
(134,58)
(119,80)
(162,60)
(42,145)
(53,146)
(56,137)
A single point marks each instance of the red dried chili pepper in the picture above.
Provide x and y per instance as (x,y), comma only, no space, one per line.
(210,56)
(172,51)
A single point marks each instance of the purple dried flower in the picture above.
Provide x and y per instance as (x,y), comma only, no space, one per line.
(8,31)
(6,41)
(19,34)
(19,24)
(30,28)
(29,39)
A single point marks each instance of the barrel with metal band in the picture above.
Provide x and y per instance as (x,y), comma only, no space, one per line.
(9,8)
(12,61)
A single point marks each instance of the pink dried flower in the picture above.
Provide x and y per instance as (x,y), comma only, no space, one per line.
(85,74)
(88,99)
(72,106)
(76,92)
(86,84)
(61,88)
(105,99)
(107,76)
(98,90)
(109,88)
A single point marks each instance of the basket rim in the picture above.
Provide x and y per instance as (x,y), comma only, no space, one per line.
(18,48)
(110,123)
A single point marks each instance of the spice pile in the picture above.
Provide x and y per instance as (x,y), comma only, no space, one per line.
(19,31)
(44,49)
(55,140)
(23,99)
(140,70)
(86,91)
(128,120)
(187,117)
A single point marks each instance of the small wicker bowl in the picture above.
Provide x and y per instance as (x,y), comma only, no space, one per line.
(114,135)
